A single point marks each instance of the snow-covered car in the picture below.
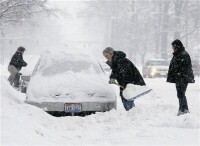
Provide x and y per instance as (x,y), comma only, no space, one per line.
(27,71)
(106,68)
(70,83)
(155,68)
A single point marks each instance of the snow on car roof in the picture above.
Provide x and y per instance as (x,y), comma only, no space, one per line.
(66,59)
(66,56)
(31,60)
(76,85)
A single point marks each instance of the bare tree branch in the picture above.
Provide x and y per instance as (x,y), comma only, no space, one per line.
(12,11)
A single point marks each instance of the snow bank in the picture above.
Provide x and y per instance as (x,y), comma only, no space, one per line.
(152,122)
(19,121)
(4,70)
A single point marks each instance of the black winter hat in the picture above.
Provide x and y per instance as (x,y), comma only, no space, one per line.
(177,43)
(21,49)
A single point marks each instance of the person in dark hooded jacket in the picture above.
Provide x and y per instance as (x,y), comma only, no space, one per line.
(180,72)
(123,71)
(15,66)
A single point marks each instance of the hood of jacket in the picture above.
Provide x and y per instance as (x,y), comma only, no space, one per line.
(118,55)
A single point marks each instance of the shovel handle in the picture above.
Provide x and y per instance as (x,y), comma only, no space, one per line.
(119,86)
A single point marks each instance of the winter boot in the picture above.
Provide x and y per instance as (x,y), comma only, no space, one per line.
(182,112)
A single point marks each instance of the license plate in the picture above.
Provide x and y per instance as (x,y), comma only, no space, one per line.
(73,107)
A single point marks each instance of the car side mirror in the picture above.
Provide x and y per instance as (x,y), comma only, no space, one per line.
(25,78)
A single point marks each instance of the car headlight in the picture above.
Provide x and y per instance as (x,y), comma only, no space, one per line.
(153,71)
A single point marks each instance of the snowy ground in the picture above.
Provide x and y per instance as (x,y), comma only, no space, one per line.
(152,122)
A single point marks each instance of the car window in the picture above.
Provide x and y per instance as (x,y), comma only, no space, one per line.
(73,66)
(156,63)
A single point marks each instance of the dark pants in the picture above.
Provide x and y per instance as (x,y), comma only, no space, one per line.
(14,75)
(127,104)
(181,89)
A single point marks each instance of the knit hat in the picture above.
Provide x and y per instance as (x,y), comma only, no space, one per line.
(21,49)
(177,44)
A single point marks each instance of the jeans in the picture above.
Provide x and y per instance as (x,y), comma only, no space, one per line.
(127,104)
(14,75)
(181,89)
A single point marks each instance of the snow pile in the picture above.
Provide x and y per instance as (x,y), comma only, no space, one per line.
(4,69)
(69,77)
(31,61)
(80,87)
(159,112)
(152,122)
(19,121)
(9,92)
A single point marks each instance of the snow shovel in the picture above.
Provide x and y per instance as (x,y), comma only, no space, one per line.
(134,91)
(141,94)
(118,85)
(131,92)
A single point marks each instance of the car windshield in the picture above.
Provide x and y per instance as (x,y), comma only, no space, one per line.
(156,63)
(73,66)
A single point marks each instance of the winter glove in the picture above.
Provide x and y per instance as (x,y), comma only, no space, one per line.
(24,64)
(112,81)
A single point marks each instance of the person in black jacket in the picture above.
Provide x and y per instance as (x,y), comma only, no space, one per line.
(15,66)
(123,71)
(180,72)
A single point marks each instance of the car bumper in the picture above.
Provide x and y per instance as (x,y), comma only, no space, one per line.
(157,74)
(161,73)
(86,106)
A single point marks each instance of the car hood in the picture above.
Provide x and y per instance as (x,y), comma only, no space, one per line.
(70,87)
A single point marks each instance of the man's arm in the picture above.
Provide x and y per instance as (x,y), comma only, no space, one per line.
(125,70)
